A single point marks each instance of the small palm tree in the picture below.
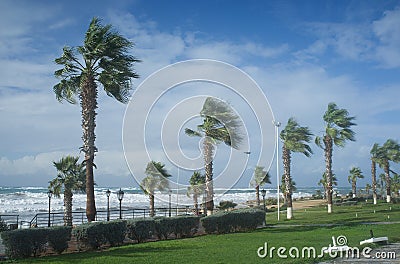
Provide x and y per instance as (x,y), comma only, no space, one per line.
(260,177)
(390,151)
(71,177)
(396,184)
(368,187)
(197,182)
(323,182)
(295,139)
(338,125)
(104,60)
(220,124)
(355,173)
(156,179)
(374,158)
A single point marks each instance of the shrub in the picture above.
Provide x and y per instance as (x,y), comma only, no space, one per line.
(180,226)
(225,205)
(140,229)
(24,243)
(238,220)
(58,238)
(164,227)
(97,234)
(3,225)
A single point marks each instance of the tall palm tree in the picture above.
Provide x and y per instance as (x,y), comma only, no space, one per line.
(260,177)
(355,173)
(103,60)
(323,182)
(283,187)
(295,139)
(156,179)
(197,186)
(338,125)
(71,176)
(390,151)
(220,124)
(374,152)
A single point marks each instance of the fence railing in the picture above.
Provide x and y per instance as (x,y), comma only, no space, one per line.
(11,220)
(79,217)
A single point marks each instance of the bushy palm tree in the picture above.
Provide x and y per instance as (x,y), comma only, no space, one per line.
(220,124)
(103,60)
(323,182)
(338,125)
(368,187)
(260,177)
(390,151)
(355,173)
(295,139)
(156,179)
(374,153)
(197,186)
(71,177)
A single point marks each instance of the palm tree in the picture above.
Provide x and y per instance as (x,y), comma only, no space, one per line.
(295,139)
(260,177)
(220,124)
(71,176)
(374,152)
(390,151)
(368,187)
(283,188)
(337,132)
(102,60)
(396,184)
(355,173)
(156,180)
(197,182)
(323,182)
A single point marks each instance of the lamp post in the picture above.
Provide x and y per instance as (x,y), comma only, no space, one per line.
(120,195)
(108,193)
(49,194)
(169,203)
(263,192)
(277,125)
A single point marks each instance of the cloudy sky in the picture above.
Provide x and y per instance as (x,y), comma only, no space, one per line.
(302,54)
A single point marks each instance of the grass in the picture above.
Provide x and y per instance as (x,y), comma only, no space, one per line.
(242,247)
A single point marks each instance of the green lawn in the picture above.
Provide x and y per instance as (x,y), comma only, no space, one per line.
(242,247)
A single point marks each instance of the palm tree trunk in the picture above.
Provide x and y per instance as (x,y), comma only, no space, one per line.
(68,208)
(387,178)
(88,99)
(288,182)
(328,163)
(373,173)
(354,188)
(258,195)
(151,197)
(196,202)
(208,159)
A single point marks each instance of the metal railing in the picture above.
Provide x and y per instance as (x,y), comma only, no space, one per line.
(79,217)
(10,220)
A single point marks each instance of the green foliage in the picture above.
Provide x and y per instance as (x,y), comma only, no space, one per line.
(23,243)
(228,222)
(180,226)
(97,234)
(58,238)
(140,229)
(225,205)
(3,225)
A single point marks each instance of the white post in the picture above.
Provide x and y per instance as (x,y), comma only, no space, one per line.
(277,124)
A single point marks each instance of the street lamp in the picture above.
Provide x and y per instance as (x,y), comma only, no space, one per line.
(120,195)
(49,194)
(169,204)
(108,193)
(277,125)
(263,192)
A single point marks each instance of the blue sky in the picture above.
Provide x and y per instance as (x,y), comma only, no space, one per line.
(303,55)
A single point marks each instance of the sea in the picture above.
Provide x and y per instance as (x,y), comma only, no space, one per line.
(26,202)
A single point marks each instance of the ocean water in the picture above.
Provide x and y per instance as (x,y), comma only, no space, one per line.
(28,201)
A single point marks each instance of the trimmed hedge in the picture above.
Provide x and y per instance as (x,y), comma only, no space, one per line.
(180,226)
(58,238)
(140,229)
(237,220)
(97,234)
(24,243)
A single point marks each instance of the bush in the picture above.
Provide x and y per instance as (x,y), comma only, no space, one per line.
(24,243)
(58,238)
(225,205)
(140,229)
(238,220)
(180,226)
(97,234)
(3,225)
